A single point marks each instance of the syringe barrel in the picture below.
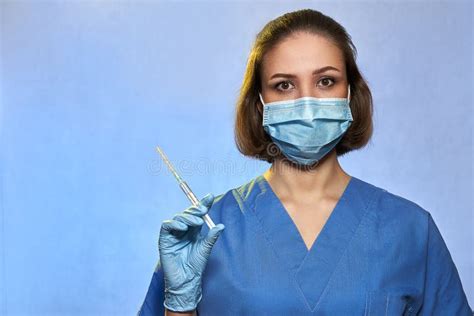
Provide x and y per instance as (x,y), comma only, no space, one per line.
(187,190)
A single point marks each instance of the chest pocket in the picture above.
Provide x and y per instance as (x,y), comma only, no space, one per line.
(389,304)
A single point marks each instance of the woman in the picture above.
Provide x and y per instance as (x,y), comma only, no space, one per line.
(304,238)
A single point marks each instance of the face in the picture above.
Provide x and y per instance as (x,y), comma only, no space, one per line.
(303,65)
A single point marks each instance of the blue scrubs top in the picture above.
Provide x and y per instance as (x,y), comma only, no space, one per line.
(378,254)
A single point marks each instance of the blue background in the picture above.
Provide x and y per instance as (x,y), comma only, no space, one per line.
(88,89)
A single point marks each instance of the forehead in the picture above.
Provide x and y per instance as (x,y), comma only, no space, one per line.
(302,53)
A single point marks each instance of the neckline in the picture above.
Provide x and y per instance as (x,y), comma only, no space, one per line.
(312,269)
(335,209)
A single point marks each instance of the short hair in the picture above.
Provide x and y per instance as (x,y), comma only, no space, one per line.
(250,137)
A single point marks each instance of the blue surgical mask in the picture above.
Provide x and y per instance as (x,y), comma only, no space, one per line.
(307,128)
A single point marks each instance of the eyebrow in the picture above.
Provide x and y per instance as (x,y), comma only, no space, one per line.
(317,71)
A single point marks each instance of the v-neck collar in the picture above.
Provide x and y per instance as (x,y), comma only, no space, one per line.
(312,269)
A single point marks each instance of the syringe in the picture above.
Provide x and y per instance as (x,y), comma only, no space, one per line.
(184,186)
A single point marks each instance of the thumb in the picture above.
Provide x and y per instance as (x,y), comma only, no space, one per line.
(207,200)
(212,236)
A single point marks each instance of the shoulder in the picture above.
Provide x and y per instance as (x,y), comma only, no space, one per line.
(235,201)
(391,212)
(389,204)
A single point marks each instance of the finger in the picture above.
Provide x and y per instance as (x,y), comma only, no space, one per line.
(171,225)
(207,200)
(189,219)
(196,210)
(203,207)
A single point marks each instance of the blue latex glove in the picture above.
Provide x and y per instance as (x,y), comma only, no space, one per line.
(184,254)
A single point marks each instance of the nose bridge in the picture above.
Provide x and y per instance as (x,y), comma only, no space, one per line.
(307,89)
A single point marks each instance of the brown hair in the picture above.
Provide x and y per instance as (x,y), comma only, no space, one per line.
(250,137)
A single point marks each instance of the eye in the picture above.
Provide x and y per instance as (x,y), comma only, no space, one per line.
(283,84)
(325,80)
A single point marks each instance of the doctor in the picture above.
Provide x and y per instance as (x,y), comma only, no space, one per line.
(305,237)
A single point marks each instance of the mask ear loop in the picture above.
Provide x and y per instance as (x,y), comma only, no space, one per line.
(261,99)
(263,105)
(349,93)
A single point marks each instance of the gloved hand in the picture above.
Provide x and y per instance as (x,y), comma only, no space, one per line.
(184,254)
